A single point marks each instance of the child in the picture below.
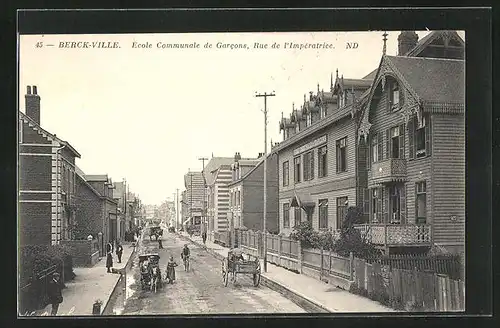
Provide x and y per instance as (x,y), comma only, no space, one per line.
(171,270)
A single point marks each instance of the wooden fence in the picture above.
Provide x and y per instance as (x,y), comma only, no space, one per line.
(415,290)
(441,264)
(402,278)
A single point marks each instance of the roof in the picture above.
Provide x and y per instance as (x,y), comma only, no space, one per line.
(433,79)
(214,164)
(371,75)
(429,38)
(96,177)
(79,171)
(259,162)
(50,135)
(88,185)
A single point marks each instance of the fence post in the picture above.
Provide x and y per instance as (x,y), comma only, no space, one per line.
(321,264)
(280,239)
(299,256)
(351,264)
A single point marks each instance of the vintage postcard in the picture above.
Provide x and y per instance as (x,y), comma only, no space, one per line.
(241,173)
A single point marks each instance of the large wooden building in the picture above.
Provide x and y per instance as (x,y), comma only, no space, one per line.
(391,142)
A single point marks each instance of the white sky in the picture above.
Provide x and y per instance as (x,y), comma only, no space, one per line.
(147,115)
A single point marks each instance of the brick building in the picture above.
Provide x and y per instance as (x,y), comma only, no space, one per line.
(246,194)
(46,179)
(96,207)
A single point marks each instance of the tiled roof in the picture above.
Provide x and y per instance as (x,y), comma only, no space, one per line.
(372,74)
(422,44)
(434,80)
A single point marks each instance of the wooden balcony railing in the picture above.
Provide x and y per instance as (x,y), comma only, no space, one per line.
(387,170)
(396,234)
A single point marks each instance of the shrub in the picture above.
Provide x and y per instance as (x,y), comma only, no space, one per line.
(306,235)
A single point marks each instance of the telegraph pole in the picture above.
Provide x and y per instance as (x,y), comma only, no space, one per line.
(204,215)
(265,95)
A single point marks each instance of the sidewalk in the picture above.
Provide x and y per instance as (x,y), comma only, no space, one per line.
(328,297)
(91,284)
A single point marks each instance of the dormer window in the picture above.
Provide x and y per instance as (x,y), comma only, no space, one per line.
(394,96)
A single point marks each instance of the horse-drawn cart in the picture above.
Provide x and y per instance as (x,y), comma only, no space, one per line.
(236,263)
(155,232)
(150,271)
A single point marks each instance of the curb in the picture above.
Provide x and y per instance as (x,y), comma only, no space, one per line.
(302,301)
(115,287)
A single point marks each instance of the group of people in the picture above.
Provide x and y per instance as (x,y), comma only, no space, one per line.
(109,254)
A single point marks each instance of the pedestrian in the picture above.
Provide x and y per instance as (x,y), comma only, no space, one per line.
(160,243)
(171,270)
(119,251)
(54,293)
(109,256)
(204,237)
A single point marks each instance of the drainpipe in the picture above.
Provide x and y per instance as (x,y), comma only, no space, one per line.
(57,187)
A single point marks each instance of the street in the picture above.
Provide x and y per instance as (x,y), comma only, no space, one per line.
(200,290)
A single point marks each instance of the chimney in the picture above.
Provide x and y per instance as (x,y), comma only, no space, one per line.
(33,104)
(237,156)
(407,40)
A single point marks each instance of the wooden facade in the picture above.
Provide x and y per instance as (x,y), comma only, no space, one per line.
(416,155)
(405,157)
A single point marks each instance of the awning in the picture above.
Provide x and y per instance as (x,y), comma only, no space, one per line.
(302,200)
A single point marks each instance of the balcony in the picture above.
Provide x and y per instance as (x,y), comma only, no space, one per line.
(396,234)
(387,170)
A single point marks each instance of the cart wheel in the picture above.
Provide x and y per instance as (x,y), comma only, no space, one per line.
(256,279)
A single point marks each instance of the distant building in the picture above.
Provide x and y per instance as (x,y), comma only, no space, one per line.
(46,180)
(193,181)
(125,207)
(246,194)
(218,174)
(96,211)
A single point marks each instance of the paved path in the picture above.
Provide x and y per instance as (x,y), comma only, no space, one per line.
(89,285)
(201,289)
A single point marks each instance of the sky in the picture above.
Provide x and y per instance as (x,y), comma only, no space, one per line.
(148,114)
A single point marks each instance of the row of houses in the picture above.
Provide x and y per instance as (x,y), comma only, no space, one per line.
(391,143)
(58,202)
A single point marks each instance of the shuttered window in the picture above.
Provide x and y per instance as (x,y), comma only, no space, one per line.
(323,213)
(286,173)
(297,216)
(376,148)
(421,202)
(286,215)
(309,165)
(419,137)
(395,142)
(341,147)
(376,205)
(297,166)
(322,162)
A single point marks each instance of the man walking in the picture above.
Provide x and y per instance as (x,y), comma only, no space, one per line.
(119,251)
(109,256)
(54,293)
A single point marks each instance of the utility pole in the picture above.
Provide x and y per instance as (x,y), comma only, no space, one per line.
(265,95)
(177,211)
(203,215)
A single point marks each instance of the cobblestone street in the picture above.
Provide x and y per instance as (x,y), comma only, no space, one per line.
(200,290)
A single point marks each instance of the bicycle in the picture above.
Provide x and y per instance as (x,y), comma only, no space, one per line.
(186,263)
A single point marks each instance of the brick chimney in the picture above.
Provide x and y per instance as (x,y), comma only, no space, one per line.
(407,40)
(237,157)
(33,104)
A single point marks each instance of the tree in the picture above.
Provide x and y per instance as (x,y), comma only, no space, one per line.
(350,238)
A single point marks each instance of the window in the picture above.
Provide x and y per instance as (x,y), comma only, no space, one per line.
(297,216)
(366,204)
(376,206)
(394,96)
(420,139)
(341,211)
(395,142)
(375,148)
(421,202)
(322,162)
(308,120)
(286,215)
(395,205)
(309,165)
(296,173)
(323,213)
(342,155)
(285,173)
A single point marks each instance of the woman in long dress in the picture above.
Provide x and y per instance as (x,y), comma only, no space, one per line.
(171,270)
